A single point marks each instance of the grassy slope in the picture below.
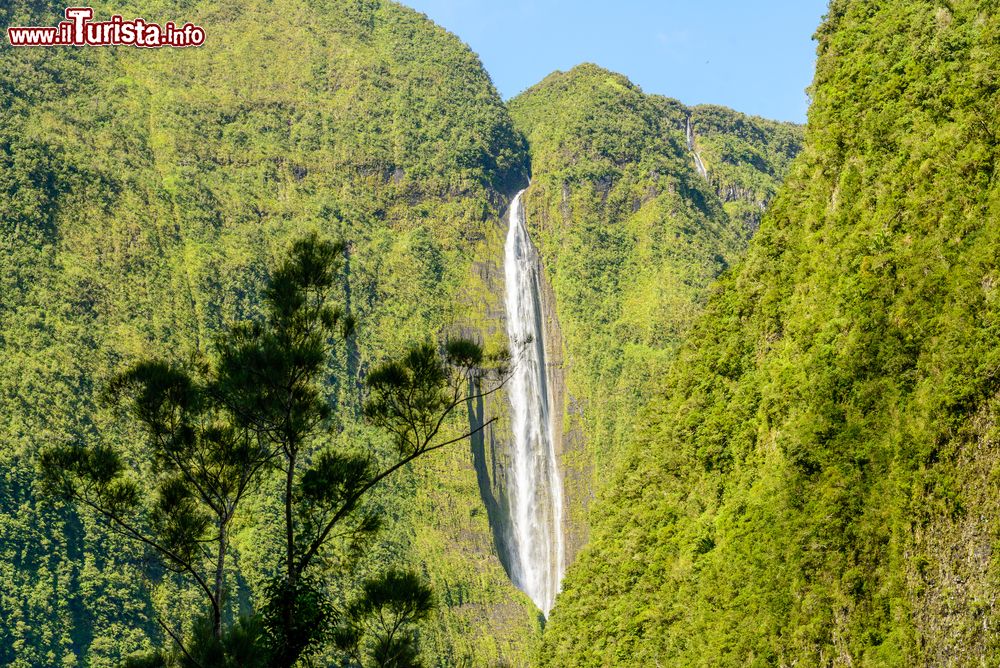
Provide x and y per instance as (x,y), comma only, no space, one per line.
(142,196)
(631,236)
(815,481)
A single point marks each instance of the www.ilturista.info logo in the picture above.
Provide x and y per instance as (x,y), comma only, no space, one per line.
(79,30)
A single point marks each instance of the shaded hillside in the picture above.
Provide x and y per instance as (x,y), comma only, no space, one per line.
(815,480)
(142,195)
(631,235)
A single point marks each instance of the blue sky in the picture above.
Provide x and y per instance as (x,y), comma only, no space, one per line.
(756,56)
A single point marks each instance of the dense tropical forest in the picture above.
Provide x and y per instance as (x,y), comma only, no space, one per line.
(256,385)
(631,236)
(147,198)
(813,481)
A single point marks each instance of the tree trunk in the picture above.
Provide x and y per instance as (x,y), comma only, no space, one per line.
(220,575)
(288,655)
(289,528)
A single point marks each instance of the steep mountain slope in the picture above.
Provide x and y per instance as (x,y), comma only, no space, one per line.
(143,193)
(631,234)
(815,481)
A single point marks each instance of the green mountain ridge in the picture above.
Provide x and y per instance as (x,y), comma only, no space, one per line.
(815,480)
(143,195)
(631,236)
(772,350)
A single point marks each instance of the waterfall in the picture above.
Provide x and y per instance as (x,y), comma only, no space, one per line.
(698,164)
(535,488)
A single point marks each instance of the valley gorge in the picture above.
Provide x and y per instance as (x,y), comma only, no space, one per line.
(749,412)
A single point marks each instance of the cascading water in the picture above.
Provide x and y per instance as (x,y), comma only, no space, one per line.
(698,164)
(535,488)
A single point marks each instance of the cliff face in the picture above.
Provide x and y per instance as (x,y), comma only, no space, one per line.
(795,466)
(630,235)
(567,428)
(813,482)
(143,194)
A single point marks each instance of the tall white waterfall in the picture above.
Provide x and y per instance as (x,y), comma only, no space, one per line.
(536,489)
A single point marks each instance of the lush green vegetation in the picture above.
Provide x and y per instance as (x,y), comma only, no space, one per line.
(792,414)
(144,194)
(747,158)
(815,480)
(631,236)
(256,421)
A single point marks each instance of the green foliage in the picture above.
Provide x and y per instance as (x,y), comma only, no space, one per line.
(298,617)
(747,158)
(814,480)
(377,629)
(412,397)
(631,236)
(241,646)
(271,378)
(263,408)
(199,466)
(143,197)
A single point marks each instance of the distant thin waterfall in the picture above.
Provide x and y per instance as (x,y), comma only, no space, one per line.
(698,164)
(536,490)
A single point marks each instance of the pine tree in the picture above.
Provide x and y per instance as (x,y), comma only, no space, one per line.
(271,377)
(216,430)
(201,465)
